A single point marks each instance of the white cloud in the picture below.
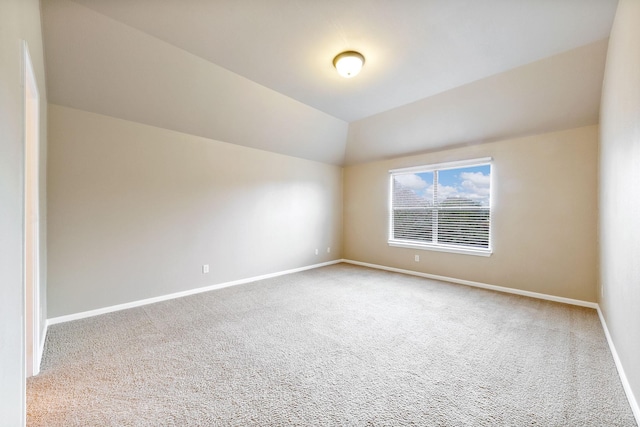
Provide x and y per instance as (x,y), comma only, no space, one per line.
(476,185)
(412,181)
(444,191)
(477,179)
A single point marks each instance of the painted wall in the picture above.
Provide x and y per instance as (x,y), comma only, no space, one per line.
(135,211)
(19,20)
(544,216)
(619,194)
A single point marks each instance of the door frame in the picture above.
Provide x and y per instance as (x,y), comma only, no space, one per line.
(31,225)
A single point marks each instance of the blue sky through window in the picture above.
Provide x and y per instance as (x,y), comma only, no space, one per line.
(472,183)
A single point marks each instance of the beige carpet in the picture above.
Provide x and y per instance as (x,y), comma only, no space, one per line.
(336,346)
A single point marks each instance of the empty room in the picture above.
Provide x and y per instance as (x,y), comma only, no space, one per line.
(337,213)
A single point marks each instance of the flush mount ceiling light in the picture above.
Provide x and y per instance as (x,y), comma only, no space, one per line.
(348,63)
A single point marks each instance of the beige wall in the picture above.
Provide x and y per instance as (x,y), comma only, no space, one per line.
(544,217)
(620,192)
(135,211)
(19,20)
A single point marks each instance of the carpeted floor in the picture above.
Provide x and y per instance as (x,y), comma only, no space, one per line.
(335,346)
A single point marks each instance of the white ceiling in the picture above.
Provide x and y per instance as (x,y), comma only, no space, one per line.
(415,50)
(559,92)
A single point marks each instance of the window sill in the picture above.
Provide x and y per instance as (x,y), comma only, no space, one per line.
(440,248)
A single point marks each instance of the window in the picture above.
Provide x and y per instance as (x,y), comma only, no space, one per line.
(444,207)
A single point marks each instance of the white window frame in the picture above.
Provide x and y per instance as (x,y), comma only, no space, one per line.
(439,246)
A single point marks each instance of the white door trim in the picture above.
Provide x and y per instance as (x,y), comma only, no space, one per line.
(31,225)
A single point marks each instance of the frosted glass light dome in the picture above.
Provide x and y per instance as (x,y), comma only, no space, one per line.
(348,63)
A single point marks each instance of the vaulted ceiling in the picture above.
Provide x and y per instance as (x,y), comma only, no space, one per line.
(259,73)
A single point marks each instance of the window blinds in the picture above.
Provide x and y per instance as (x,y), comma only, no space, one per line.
(442,207)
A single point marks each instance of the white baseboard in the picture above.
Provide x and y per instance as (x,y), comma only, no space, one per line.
(633,402)
(480,285)
(111,309)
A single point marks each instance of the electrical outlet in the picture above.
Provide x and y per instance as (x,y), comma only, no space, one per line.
(329,250)
(205,268)
(417,258)
(316,252)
